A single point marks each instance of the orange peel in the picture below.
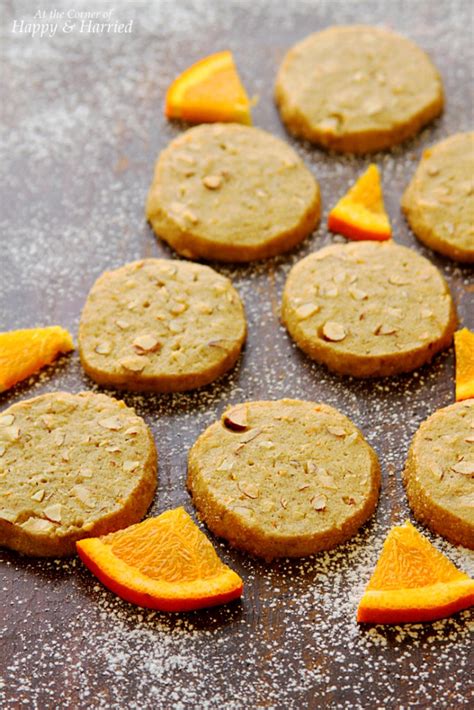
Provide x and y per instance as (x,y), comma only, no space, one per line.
(361,214)
(163,563)
(464,349)
(208,91)
(24,352)
(413,581)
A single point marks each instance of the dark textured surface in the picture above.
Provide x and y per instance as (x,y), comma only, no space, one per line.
(83,125)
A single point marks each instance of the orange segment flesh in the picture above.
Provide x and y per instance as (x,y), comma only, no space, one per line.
(464,348)
(361,214)
(413,581)
(163,563)
(24,352)
(209,91)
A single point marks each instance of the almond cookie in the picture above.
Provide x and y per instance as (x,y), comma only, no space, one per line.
(161,325)
(232,193)
(356,89)
(283,478)
(439,473)
(368,309)
(71,466)
(439,201)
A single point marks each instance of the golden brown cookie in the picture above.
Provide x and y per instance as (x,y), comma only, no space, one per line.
(439,201)
(71,466)
(283,478)
(232,193)
(161,325)
(357,89)
(368,309)
(439,473)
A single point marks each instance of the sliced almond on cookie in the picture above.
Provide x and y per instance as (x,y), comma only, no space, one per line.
(384,329)
(54,512)
(466,468)
(248,489)
(130,466)
(307,310)
(146,343)
(336,430)
(7,419)
(212,182)
(334,331)
(38,495)
(113,423)
(318,502)
(83,494)
(104,348)
(237,418)
(133,364)
(37,526)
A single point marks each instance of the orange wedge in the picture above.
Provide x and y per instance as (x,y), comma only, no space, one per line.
(163,563)
(464,349)
(361,214)
(209,91)
(413,582)
(24,352)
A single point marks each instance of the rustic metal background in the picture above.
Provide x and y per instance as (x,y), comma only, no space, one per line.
(83,124)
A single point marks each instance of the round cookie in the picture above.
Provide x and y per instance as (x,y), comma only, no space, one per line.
(283,478)
(439,473)
(439,201)
(368,309)
(357,89)
(71,466)
(161,325)
(232,193)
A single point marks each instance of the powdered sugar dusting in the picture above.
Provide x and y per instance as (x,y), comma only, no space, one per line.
(83,127)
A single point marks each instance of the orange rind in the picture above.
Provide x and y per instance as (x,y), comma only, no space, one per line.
(163,563)
(209,91)
(361,214)
(24,352)
(464,349)
(413,582)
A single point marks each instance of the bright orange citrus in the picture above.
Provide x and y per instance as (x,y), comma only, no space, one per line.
(163,563)
(413,581)
(210,90)
(361,214)
(24,352)
(464,349)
